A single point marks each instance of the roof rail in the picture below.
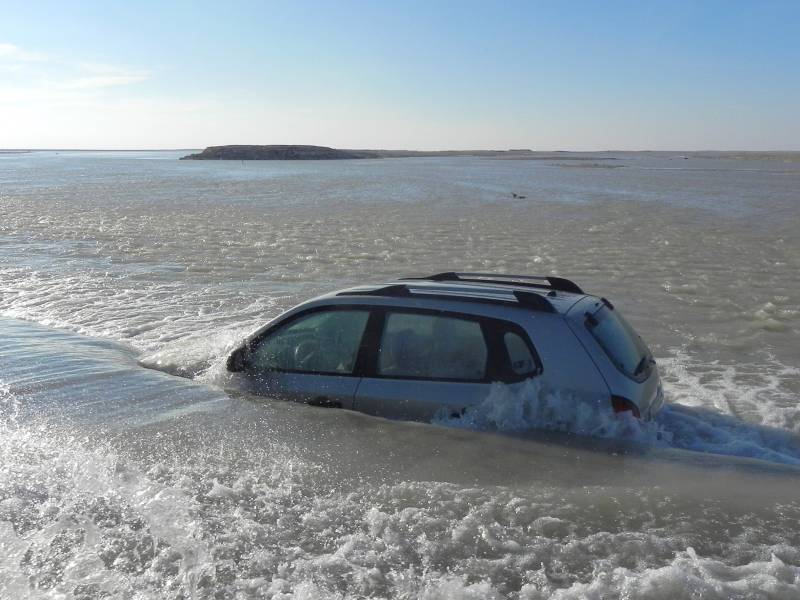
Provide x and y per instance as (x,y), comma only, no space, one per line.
(526,299)
(548,282)
(397,289)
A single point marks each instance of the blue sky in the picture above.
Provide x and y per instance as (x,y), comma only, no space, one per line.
(420,75)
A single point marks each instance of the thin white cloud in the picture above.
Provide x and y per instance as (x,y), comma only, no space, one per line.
(34,75)
(98,68)
(11,52)
(103,81)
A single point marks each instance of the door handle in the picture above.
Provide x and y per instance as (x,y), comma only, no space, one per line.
(325,402)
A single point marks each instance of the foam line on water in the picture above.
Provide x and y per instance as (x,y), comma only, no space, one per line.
(765,392)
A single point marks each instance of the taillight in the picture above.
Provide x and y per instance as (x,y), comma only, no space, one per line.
(621,404)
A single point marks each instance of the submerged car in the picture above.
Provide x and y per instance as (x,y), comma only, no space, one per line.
(420,347)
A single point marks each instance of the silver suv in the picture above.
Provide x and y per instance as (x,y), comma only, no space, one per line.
(422,347)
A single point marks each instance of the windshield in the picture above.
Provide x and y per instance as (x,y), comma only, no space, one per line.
(620,342)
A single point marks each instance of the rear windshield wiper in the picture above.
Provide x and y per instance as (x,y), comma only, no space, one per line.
(643,364)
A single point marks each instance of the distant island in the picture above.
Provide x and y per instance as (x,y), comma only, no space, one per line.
(301,152)
(275,152)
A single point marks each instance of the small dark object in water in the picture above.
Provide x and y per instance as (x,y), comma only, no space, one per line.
(515,195)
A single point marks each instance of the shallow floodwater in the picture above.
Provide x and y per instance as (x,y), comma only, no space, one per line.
(131,466)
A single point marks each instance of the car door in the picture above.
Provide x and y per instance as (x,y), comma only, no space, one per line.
(310,358)
(430,363)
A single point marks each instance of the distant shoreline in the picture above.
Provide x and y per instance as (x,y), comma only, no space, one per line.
(305,152)
(513,154)
(24,150)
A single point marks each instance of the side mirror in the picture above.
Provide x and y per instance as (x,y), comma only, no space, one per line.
(237,361)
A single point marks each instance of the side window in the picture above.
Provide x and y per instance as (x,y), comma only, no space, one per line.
(432,347)
(321,342)
(520,357)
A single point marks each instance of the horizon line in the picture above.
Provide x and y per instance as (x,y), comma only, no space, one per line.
(608,150)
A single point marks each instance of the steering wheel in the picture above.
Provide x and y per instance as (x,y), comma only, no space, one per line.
(304,354)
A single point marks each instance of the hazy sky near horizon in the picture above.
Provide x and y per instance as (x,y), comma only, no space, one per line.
(420,75)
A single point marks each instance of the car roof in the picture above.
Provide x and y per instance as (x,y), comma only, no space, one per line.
(519,291)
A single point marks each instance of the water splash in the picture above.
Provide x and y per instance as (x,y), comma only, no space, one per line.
(531,405)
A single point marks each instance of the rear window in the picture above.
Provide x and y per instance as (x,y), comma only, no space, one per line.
(620,342)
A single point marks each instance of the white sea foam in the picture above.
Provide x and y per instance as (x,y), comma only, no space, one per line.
(89,521)
(531,405)
(195,356)
(687,576)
